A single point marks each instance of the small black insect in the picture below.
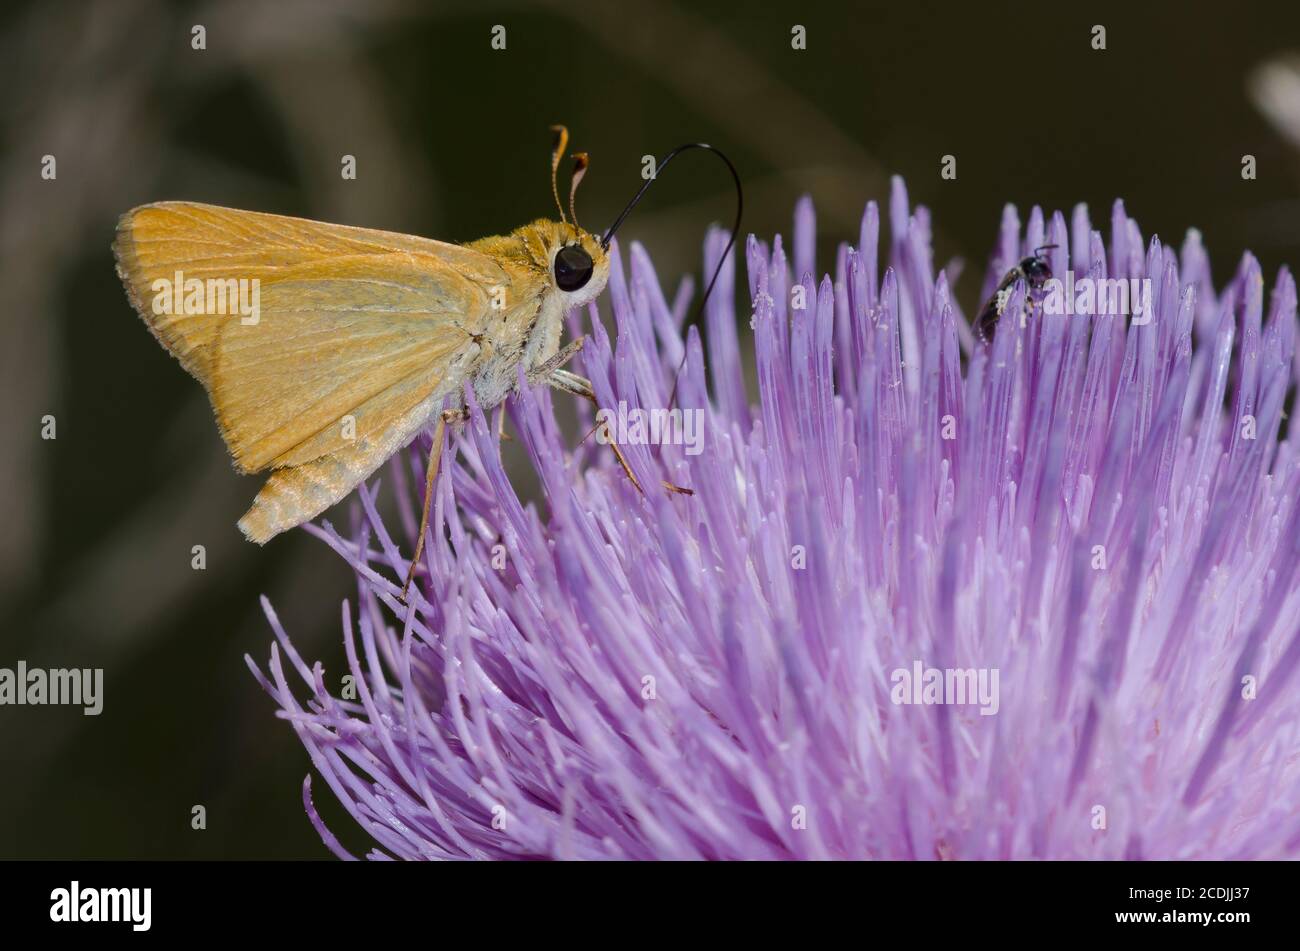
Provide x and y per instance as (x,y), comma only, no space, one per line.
(1033,270)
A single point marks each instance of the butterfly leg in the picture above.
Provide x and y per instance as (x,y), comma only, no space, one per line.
(502,435)
(544,371)
(430,474)
(581,386)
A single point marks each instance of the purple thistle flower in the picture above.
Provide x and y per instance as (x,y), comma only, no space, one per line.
(1094,515)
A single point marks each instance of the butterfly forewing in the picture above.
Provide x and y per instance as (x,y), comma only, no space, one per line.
(356,336)
(325,347)
(345,316)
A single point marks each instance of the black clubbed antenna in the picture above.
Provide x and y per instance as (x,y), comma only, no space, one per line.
(731,241)
(740,205)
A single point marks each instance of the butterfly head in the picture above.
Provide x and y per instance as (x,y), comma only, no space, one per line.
(577,266)
(577,262)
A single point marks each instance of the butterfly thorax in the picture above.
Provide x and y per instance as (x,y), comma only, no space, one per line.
(525,319)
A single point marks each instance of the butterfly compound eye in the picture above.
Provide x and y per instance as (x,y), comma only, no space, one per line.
(573,268)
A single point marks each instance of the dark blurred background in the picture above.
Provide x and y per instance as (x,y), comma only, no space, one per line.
(96,527)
